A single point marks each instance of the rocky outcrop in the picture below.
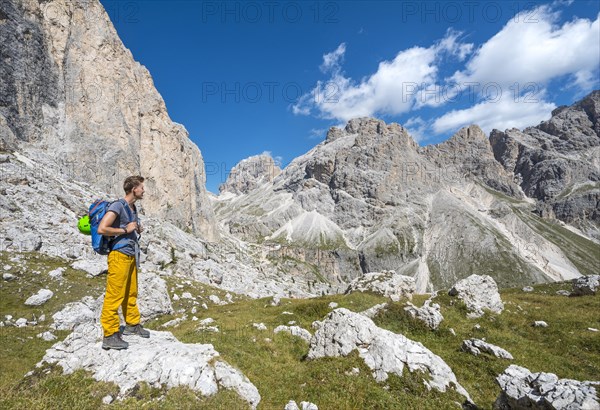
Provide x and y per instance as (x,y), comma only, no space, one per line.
(477,346)
(557,162)
(75,88)
(429,313)
(343,331)
(159,360)
(250,173)
(523,390)
(586,285)
(479,293)
(294,331)
(388,283)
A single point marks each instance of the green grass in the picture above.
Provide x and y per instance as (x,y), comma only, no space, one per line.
(278,366)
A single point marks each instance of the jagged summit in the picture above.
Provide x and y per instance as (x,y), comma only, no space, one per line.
(250,173)
(558,163)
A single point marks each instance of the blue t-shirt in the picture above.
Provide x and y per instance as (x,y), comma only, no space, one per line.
(121,222)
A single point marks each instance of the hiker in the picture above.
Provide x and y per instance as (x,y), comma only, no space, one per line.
(121,222)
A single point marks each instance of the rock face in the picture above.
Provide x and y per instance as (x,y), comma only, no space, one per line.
(250,174)
(477,346)
(343,331)
(558,162)
(522,390)
(159,360)
(586,285)
(76,88)
(478,293)
(387,283)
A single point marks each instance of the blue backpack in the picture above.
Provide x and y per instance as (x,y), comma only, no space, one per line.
(104,244)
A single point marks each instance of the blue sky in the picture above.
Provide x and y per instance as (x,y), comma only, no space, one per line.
(250,77)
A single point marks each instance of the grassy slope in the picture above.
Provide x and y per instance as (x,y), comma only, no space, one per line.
(278,367)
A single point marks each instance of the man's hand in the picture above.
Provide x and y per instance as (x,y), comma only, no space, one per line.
(131,226)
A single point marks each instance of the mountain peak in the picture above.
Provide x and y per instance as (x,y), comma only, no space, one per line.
(249,173)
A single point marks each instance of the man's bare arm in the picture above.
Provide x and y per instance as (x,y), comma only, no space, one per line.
(105,227)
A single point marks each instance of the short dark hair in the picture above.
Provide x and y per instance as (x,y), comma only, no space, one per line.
(132,182)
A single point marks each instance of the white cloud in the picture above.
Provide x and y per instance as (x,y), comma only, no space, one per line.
(532,48)
(502,114)
(517,64)
(390,90)
(332,61)
(418,128)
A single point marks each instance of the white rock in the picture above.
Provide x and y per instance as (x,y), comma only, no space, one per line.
(429,314)
(194,310)
(76,313)
(7,267)
(540,323)
(260,326)
(476,346)
(216,300)
(305,405)
(158,360)
(563,292)
(286,313)
(57,273)
(452,331)
(386,283)
(522,389)
(207,321)
(586,285)
(294,331)
(291,405)
(21,322)
(47,336)
(204,306)
(153,296)
(94,266)
(213,329)
(42,318)
(187,295)
(333,305)
(8,317)
(353,372)
(8,276)
(291,322)
(527,289)
(39,298)
(374,310)
(276,301)
(343,331)
(231,378)
(175,297)
(591,329)
(478,293)
(174,322)
(107,399)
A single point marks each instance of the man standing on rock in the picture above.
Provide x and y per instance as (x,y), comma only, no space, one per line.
(121,221)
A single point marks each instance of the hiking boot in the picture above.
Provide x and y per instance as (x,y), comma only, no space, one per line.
(137,330)
(114,341)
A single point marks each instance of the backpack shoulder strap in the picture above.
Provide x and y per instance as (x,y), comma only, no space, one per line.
(126,206)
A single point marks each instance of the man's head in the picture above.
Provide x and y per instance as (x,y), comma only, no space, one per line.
(134,185)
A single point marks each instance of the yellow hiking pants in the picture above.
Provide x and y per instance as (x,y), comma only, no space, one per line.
(121,290)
